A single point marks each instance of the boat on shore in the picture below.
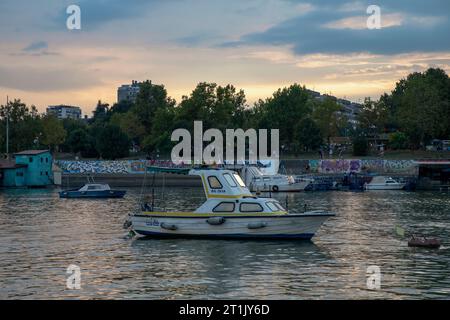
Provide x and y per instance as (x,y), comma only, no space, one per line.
(92,190)
(384,183)
(229,212)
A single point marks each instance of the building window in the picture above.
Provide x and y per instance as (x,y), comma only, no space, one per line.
(42,160)
(46,160)
(46,173)
(31,159)
(41,173)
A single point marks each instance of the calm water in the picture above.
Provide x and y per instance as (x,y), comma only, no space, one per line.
(41,235)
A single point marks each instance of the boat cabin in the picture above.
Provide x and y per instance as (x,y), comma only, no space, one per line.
(94,187)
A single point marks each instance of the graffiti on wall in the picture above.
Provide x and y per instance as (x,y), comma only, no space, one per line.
(326,166)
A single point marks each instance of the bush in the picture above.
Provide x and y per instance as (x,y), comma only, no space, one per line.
(398,140)
(360,146)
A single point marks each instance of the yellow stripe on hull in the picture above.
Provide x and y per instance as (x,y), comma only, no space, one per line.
(213,214)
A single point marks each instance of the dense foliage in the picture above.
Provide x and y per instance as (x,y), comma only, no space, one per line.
(416,111)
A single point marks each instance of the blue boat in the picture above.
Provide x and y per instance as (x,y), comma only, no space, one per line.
(93,190)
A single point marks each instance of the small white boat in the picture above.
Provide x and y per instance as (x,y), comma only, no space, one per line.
(258,181)
(230,211)
(384,183)
(92,190)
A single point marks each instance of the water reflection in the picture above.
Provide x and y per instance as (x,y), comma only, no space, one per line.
(41,235)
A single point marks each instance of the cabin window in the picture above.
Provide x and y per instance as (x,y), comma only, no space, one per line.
(266,179)
(214,183)
(239,180)
(250,207)
(230,180)
(224,207)
(272,206)
(279,206)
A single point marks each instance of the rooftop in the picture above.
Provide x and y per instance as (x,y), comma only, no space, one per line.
(10,164)
(30,152)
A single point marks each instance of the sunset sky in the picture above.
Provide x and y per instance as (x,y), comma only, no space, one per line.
(257,45)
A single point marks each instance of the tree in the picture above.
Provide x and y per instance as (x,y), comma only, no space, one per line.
(24,125)
(53,132)
(421,103)
(307,135)
(78,141)
(360,146)
(398,140)
(326,115)
(283,111)
(112,143)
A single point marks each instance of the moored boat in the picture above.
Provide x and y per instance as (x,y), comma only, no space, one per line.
(93,190)
(384,183)
(230,211)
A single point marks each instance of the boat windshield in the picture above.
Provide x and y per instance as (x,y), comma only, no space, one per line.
(230,180)
(239,180)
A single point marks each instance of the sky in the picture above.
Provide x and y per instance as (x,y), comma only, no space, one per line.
(256,45)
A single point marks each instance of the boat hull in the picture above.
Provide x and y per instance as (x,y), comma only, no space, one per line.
(298,226)
(292,187)
(384,187)
(92,194)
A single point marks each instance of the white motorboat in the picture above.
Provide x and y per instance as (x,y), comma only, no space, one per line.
(384,183)
(230,211)
(258,181)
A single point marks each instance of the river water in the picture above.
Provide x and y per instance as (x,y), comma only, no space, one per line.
(41,235)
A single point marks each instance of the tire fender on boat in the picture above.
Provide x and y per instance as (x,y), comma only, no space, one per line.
(169,226)
(275,188)
(256,225)
(216,221)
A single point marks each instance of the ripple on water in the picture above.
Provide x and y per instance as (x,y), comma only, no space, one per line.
(41,235)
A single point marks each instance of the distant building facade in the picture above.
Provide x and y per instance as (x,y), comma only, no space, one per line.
(350,110)
(128,92)
(31,168)
(64,112)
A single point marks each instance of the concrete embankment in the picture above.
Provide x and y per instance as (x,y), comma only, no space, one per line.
(132,180)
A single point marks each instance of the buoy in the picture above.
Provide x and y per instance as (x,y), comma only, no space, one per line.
(424,242)
(215,221)
(256,225)
(169,226)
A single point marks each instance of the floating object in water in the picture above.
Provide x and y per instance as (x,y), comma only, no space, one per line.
(216,221)
(127,224)
(424,242)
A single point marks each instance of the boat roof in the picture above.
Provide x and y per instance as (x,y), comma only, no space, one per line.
(217,182)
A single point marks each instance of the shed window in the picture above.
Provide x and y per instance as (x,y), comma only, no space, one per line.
(214,183)
(224,207)
(250,207)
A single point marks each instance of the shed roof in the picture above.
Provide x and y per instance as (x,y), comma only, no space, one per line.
(30,152)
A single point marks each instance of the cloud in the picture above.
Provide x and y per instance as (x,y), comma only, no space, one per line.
(36,46)
(45,79)
(332,30)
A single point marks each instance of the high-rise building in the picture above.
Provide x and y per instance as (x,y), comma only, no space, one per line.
(128,92)
(64,112)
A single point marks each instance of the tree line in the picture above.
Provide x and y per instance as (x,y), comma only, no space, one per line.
(415,112)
